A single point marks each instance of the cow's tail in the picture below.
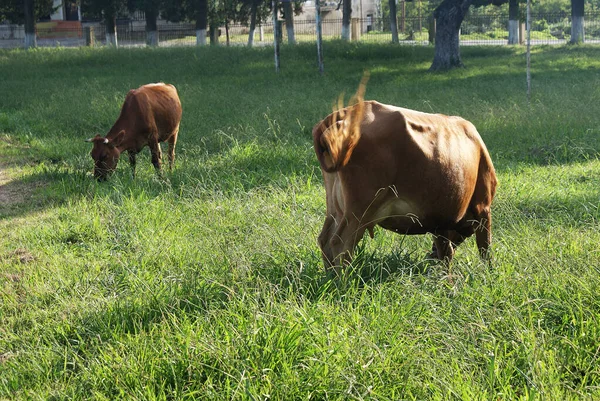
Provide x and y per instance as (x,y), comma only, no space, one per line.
(336,136)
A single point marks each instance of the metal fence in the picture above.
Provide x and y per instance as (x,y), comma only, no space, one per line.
(476,29)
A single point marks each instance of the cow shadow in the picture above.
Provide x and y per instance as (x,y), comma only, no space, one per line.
(308,278)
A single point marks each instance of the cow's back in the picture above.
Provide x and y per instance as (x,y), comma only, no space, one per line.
(150,108)
(426,163)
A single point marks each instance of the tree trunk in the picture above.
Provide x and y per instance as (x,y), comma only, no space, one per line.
(403,16)
(151,26)
(346,16)
(30,40)
(319,37)
(393,21)
(449,16)
(201,22)
(253,8)
(227,33)
(513,22)
(214,35)
(288,12)
(111,29)
(200,37)
(577,33)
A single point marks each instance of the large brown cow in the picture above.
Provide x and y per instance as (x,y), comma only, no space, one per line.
(406,171)
(150,114)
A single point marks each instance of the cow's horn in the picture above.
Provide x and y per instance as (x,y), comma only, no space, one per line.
(105,140)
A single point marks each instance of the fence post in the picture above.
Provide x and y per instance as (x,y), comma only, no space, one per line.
(521,33)
(355,29)
(90,37)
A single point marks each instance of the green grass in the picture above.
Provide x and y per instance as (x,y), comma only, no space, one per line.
(208,284)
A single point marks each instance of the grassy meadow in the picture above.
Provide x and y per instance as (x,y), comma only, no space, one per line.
(207,283)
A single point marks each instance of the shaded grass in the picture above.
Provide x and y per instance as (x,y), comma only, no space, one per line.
(207,283)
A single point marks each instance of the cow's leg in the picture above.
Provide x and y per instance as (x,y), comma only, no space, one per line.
(325,239)
(455,237)
(132,161)
(347,235)
(172,141)
(443,248)
(483,231)
(481,208)
(156,154)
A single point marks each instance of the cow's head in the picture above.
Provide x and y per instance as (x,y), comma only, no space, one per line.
(105,154)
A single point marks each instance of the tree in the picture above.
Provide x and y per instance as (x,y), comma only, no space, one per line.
(26,12)
(201,17)
(393,21)
(29,13)
(254,4)
(151,9)
(190,10)
(513,22)
(255,11)
(449,16)
(108,10)
(215,20)
(346,16)
(577,33)
(288,14)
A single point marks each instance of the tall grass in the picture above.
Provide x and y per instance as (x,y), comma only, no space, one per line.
(207,283)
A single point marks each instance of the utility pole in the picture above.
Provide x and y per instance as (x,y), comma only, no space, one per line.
(319,36)
(275,35)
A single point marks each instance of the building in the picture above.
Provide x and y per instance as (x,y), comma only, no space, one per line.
(67,10)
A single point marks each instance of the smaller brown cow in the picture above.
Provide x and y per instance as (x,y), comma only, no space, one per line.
(150,114)
(406,171)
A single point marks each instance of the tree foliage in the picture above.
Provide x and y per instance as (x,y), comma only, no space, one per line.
(13,10)
(102,8)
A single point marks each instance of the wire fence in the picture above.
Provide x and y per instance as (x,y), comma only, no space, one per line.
(478,29)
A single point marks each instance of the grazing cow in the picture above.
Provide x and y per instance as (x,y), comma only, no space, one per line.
(406,171)
(150,114)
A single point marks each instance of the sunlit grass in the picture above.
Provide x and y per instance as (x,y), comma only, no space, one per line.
(207,283)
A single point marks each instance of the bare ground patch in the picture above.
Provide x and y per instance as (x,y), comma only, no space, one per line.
(12,191)
(20,255)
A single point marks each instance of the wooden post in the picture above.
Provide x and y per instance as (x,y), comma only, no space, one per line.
(319,36)
(275,35)
(355,29)
(90,37)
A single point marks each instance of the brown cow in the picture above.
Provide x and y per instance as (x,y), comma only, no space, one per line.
(150,114)
(406,171)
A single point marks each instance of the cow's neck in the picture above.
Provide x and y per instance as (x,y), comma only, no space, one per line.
(126,143)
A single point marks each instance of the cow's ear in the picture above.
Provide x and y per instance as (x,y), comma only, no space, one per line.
(116,141)
(93,139)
